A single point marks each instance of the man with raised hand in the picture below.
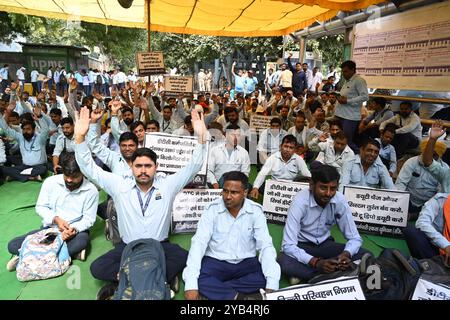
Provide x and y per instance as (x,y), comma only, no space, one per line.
(143,204)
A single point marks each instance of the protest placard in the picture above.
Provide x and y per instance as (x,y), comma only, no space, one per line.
(150,63)
(426,290)
(188,207)
(175,152)
(378,211)
(343,288)
(277,199)
(259,123)
(176,85)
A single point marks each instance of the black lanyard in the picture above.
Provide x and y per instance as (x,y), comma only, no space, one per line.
(165,127)
(33,140)
(144,208)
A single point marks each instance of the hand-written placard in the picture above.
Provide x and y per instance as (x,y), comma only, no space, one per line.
(175,152)
(260,123)
(188,207)
(343,288)
(426,290)
(150,63)
(378,211)
(176,85)
(277,199)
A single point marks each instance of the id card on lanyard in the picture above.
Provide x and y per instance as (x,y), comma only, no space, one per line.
(141,203)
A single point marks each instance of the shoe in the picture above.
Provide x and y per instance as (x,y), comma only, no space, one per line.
(294,281)
(107,291)
(175,284)
(251,296)
(12,264)
(81,255)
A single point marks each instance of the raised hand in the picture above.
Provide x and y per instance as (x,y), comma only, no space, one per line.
(115,107)
(198,124)
(14,85)
(96,115)
(82,124)
(143,104)
(73,84)
(437,129)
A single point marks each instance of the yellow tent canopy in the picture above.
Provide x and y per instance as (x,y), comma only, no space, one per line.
(245,18)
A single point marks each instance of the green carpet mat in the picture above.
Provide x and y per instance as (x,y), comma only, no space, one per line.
(17,217)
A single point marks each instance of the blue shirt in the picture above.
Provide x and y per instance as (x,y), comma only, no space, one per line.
(418,181)
(77,207)
(239,83)
(442,174)
(356,92)
(4,73)
(388,152)
(250,84)
(431,220)
(33,152)
(377,176)
(309,222)
(221,236)
(133,224)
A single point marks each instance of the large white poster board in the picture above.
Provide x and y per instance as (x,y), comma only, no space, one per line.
(175,152)
(278,196)
(188,207)
(378,211)
(408,50)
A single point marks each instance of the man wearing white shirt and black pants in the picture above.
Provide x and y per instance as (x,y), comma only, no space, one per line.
(282,165)
(227,157)
(69,202)
(34,82)
(21,77)
(143,204)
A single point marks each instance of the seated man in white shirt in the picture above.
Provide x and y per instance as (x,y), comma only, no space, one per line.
(409,132)
(187,129)
(69,202)
(334,153)
(282,165)
(270,140)
(229,156)
(222,262)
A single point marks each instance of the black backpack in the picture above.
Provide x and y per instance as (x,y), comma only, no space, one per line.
(62,78)
(142,274)
(399,275)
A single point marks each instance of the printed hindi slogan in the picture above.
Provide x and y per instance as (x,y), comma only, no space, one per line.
(277,199)
(378,211)
(177,85)
(188,207)
(259,123)
(426,290)
(343,288)
(150,63)
(175,152)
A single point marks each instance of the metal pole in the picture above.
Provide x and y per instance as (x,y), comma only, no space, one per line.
(148,25)
(403,98)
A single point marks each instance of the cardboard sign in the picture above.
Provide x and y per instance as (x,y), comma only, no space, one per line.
(343,288)
(378,211)
(150,63)
(175,152)
(177,85)
(277,199)
(259,123)
(188,207)
(426,290)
